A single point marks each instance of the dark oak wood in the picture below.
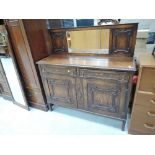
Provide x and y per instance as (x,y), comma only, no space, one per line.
(59,41)
(112,26)
(61,90)
(105,91)
(78,81)
(122,38)
(98,84)
(8,54)
(27,51)
(38,38)
(143,112)
(16,69)
(90,61)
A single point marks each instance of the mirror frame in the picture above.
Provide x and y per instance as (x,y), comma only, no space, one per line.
(10,51)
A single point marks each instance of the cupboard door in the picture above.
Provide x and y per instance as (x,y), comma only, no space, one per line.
(60,90)
(106,95)
(123,41)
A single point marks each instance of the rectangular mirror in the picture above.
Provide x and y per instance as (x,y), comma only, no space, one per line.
(13,82)
(88,41)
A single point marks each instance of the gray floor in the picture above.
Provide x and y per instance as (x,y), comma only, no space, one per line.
(15,120)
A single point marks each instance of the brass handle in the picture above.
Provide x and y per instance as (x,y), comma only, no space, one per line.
(152,114)
(69,39)
(68,34)
(152,101)
(149,126)
(69,42)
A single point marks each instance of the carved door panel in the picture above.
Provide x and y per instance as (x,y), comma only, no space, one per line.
(105,95)
(60,90)
(123,40)
(59,41)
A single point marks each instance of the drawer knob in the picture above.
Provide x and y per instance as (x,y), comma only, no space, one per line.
(68,71)
(149,126)
(152,101)
(152,114)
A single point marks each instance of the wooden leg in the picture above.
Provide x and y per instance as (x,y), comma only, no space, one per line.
(123,125)
(51,107)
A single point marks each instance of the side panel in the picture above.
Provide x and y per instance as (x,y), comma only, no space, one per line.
(26,64)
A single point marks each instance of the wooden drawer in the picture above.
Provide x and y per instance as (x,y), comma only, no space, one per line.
(145,99)
(143,120)
(47,69)
(103,74)
(147,81)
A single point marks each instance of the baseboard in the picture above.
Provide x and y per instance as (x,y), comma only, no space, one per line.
(20,105)
(39,106)
(7,97)
(133,132)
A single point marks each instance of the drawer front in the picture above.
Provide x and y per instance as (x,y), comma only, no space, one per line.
(145,99)
(147,81)
(47,69)
(143,120)
(102,74)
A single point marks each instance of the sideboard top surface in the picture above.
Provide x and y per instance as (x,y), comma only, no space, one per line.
(90,61)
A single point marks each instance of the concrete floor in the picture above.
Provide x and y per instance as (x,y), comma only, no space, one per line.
(15,120)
